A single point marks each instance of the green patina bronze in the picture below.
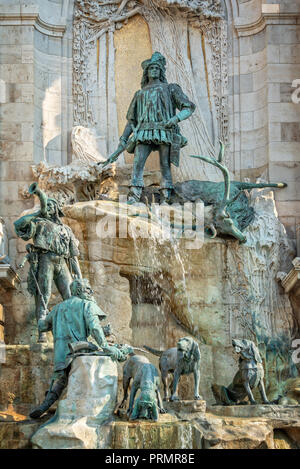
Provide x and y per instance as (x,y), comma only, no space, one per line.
(239,210)
(53,255)
(152,124)
(231,212)
(72,322)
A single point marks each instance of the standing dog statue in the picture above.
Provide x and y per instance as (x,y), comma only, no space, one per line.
(181,360)
(249,376)
(146,378)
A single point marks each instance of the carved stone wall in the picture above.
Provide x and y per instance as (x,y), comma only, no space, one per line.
(264,120)
(192,36)
(39,66)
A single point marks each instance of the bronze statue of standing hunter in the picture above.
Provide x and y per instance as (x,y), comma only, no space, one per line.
(152,125)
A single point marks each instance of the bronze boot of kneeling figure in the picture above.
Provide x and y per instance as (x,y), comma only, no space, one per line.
(52,395)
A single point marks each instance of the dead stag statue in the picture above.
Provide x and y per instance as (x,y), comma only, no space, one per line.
(217,217)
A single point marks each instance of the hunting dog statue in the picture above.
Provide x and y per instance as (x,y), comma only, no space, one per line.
(146,378)
(249,376)
(181,360)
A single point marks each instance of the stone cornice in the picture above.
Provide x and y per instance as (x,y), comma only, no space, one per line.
(293,277)
(8,277)
(32,19)
(248,29)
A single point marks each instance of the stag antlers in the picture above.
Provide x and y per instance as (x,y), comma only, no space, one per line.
(222,223)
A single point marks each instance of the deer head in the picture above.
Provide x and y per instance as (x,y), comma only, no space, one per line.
(219,219)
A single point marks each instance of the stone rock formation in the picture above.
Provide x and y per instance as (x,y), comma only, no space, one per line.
(89,402)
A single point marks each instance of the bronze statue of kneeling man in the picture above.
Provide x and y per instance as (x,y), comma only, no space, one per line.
(73,321)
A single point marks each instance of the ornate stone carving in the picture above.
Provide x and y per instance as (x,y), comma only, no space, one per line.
(94,26)
(91,21)
(82,181)
(3,243)
(216,33)
(87,145)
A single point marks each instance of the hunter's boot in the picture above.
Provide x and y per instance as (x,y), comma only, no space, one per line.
(166,195)
(134,195)
(50,398)
(55,392)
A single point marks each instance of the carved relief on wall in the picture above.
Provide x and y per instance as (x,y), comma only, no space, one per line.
(87,144)
(193,37)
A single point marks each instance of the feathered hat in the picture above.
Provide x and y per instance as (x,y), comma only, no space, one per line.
(157,59)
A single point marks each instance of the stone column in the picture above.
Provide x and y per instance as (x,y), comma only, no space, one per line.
(264,90)
(34,49)
(89,401)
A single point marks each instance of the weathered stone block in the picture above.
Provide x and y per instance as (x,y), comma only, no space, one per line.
(17,73)
(254,139)
(245,45)
(287,151)
(19,35)
(10,131)
(290,132)
(89,401)
(290,54)
(246,83)
(285,170)
(275,132)
(259,41)
(253,101)
(274,92)
(283,112)
(260,119)
(282,73)
(273,54)
(253,62)
(11,112)
(260,79)
(10,54)
(283,34)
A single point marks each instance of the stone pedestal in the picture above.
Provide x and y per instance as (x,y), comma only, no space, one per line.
(259,410)
(186,408)
(89,401)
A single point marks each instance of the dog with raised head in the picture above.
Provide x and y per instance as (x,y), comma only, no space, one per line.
(251,371)
(146,378)
(181,360)
(249,376)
